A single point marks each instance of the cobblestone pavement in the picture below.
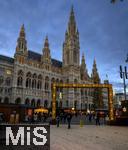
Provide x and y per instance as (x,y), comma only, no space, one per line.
(89,137)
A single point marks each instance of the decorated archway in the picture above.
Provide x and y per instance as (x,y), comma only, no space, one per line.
(108,86)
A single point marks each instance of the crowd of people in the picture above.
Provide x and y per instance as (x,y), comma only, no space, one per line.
(90,117)
(36,118)
(64,118)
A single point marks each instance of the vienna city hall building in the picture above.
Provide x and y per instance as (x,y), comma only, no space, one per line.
(27,77)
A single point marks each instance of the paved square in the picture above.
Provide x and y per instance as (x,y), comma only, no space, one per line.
(89,137)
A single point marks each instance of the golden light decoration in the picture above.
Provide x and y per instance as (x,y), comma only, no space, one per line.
(108,86)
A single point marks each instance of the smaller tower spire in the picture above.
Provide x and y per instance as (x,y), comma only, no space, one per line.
(21,47)
(46,57)
(22,31)
(95,74)
(21,41)
(84,72)
(46,43)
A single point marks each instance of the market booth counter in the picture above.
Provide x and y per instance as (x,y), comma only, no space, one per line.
(15,113)
(41,110)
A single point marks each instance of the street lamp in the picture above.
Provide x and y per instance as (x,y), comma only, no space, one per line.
(123,75)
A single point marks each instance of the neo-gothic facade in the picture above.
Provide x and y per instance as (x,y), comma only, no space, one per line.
(27,78)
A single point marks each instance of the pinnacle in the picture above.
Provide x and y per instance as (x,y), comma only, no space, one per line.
(83,55)
(46,43)
(22,31)
(22,28)
(72,9)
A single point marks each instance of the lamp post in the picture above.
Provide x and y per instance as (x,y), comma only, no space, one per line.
(123,75)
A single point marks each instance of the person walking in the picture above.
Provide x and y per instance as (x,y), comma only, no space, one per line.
(35,118)
(58,120)
(90,117)
(97,119)
(69,117)
(65,117)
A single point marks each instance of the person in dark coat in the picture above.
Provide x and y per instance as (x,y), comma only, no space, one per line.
(97,119)
(65,117)
(69,117)
(58,121)
(90,117)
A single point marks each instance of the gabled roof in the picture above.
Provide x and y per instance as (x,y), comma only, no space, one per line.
(56,63)
(37,57)
(34,56)
(31,55)
(6,59)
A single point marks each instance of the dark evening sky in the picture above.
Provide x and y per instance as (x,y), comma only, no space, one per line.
(103,29)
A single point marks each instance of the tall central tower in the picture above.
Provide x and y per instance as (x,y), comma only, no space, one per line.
(71,62)
(71,47)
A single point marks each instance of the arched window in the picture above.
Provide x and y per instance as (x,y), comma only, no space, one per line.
(39,84)
(1,80)
(8,81)
(57,80)
(18,100)
(52,81)
(33,102)
(28,80)
(6,100)
(0,99)
(45,103)
(75,104)
(46,83)
(27,101)
(38,103)
(34,81)
(75,56)
(20,78)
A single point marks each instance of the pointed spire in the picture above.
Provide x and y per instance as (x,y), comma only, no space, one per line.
(84,72)
(22,31)
(83,60)
(83,56)
(72,23)
(46,57)
(46,43)
(21,47)
(71,42)
(94,66)
(72,11)
(95,74)
(21,41)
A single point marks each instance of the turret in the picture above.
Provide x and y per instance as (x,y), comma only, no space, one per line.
(95,74)
(21,48)
(71,44)
(46,57)
(83,69)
